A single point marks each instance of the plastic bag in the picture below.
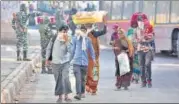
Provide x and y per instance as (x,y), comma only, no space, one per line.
(123,63)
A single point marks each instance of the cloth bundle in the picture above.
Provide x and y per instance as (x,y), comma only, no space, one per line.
(89,17)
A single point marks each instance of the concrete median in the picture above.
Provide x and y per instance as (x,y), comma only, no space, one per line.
(11,86)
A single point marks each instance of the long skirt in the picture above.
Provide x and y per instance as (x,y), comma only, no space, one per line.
(136,69)
(124,80)
(61,75)
(91,82)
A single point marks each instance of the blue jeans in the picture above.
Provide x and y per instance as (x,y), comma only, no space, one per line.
(145,60)
(80,75)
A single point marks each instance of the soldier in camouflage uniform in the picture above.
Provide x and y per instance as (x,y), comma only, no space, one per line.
(59,18)
(45,36)
(19,25)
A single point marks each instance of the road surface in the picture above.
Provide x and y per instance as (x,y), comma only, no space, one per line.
(165,75)
(165,88)
(8,53)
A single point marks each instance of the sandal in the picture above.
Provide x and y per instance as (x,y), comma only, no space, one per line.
(93,93)
(82,95)
(68,99)
(59,100)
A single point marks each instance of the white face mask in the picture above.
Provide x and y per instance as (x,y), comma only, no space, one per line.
(141,25)
(80,33)
(83,34)
(60,36)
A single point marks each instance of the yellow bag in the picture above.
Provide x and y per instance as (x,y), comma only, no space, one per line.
(89,17)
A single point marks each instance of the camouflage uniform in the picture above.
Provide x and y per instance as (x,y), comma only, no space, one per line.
(45,36)
(20,27)
(59,18)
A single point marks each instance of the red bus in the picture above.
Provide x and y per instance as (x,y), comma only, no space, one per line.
(164,14)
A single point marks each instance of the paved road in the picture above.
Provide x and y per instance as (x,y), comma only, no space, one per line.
(8,54)
(165,85)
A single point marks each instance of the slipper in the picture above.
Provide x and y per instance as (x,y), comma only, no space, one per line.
(59,100)
(68,100)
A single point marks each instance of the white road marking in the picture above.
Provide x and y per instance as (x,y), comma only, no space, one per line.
(10,49)
(8,59)
(174,65)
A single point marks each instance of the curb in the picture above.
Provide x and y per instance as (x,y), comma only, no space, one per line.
(11,86)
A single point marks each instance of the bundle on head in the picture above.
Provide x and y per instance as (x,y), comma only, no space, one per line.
(137,17)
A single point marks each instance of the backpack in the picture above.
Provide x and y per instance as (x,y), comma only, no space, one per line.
(53,40)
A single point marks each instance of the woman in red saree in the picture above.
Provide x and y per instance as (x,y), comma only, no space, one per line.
(93,77)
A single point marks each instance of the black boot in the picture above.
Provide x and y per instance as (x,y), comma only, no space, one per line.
(18,56)
(25,56)
(43,67)
(43,71)
(50,71)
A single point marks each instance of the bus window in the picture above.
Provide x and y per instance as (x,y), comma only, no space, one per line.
(175,12)
(66,4)
(162,15)
(117,10)
(136,6)
(107,7)
(128,9)
(149,9)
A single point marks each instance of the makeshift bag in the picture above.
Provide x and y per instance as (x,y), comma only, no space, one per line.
(89,17)
(123,63)
(95,74)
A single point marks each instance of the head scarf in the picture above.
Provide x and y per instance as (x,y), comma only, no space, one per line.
(130,45)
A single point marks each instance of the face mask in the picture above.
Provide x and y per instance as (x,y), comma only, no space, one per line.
(141,25)
(62,36)
(83,34)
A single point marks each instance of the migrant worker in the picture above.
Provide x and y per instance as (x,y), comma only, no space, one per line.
(114,37)
(136,69)
(123,45)
(45,36)
(93,78)
(145,54)
(81,46)
(59,52)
